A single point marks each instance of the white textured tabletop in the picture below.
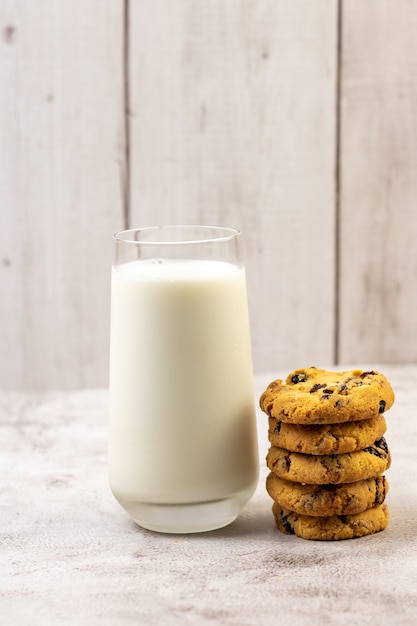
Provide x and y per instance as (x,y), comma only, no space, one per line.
(70,555)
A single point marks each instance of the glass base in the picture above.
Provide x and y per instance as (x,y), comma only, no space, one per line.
(193,517)
(187,518)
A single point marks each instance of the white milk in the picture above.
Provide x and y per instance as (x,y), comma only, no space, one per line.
(182,424)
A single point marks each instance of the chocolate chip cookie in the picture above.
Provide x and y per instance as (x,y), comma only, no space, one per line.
(312,469)
(326,438)
(333,527)
(326,500)
(316,396)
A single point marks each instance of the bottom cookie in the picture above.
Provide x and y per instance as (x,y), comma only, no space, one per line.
(334,527)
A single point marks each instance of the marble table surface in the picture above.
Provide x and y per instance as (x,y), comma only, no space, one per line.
(70,555)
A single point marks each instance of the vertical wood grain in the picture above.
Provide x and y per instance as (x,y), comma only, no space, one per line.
(378,220)
(61,187)
(232,122)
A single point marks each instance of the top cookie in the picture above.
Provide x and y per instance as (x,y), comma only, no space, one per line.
(315,396)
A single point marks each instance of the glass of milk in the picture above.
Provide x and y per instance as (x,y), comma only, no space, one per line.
(183,452)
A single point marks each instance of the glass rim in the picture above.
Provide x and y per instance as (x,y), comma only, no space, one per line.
(125,236)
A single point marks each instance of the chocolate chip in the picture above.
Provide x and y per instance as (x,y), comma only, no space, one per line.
(379,448)
(370,373)
(325,396)
(328,391)
(323,461)
(316,387)
(337,403)
(381,443)
(298,378)
(277,428)
(380,490)
(377,492)
(286,524)
(382,404)
(343,388)
(374,451)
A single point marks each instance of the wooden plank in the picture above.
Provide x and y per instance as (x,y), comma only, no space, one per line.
(378,264)
(61,171)
(233,122)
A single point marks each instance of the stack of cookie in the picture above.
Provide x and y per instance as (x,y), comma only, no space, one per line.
(328,454)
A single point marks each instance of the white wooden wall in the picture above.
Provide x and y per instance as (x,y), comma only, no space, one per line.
(62,174)
(295,120)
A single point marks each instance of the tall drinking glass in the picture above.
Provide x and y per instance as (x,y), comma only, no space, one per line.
(183,453)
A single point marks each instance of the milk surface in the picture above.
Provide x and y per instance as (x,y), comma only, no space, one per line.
(182,421)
